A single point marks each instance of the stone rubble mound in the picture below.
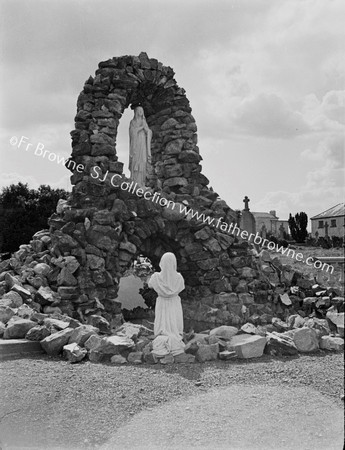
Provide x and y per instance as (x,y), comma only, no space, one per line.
(35,278)
(39,302)
(32,307)
(36,304)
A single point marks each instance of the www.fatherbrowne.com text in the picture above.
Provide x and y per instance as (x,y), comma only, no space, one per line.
(155,197)
(189,213)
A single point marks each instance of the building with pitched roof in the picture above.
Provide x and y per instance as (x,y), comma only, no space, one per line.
(270,223)
(330,222)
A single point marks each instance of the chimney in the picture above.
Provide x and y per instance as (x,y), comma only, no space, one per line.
(273,213)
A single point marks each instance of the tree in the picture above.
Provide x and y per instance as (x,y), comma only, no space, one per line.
(25,211)
(298,226)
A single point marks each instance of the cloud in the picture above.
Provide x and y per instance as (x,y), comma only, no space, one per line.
(269,115)
(7,179)
(23,106)
(250,69)
(321,187)
(330,152)
(327,114)
(312,201)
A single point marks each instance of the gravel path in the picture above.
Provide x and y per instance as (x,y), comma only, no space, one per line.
(47,403)
(238,417)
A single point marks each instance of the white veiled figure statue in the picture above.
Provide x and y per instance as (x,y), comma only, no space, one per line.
(139,146)
(168,324)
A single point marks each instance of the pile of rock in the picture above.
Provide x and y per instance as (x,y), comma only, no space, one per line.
(297,335)
(133,343)
(262,288)
(61,334)
(43,277)
(36,304)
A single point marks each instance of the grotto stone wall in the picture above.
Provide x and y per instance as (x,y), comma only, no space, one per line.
(104,227)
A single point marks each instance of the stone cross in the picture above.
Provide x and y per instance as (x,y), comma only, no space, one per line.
(246,201)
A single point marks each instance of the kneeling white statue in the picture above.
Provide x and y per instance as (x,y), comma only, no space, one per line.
(168,324)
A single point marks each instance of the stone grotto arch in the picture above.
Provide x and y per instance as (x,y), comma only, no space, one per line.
(105,226)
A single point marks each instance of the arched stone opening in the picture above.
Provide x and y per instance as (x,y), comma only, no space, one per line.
(125,81)
(107,223)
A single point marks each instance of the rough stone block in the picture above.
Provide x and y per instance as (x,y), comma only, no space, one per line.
(332,343)
(225,332)
(248,272)
(25,312)
(104,217)
(217,340)
(192,348)
(113,345)
(68,292)
(54,343)
(71,263)
(5,314)
(226,355)
(82,333)
(99,322)
(73,353)
(11,299)
(280,345)
(17,329)
(11,281)
(335,317)
(95,262)
(66,278)
(135,357)
(52,310)
(56,323)
(319,325)
(24,293)
(93,342)
(249,328)
(280,325)
(38,333)
(285,299)
(118,359)
(207,352)
(295,321)
(97,356)
(150,358)
(184,358)
(247,346)
(306,340)
(45,296)
(132,330)
(42,269)
(2,329)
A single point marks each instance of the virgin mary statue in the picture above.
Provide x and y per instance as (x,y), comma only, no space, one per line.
(139,146)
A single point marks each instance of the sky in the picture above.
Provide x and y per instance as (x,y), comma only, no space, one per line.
(265,80)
